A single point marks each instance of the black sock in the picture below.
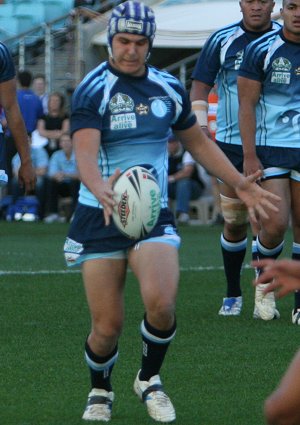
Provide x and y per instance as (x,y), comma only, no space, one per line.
(233,257)
(100,367)
(272,253)
(155,346)
(296,256)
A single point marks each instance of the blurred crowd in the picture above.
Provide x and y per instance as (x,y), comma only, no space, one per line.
(47,121)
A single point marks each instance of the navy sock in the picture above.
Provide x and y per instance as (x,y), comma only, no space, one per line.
(155,346)
(272,253)
(233,257)
(296,256)
(100,367)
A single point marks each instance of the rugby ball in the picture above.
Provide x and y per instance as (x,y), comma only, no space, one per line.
(137,197)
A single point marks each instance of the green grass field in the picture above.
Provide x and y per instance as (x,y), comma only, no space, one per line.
(218,370)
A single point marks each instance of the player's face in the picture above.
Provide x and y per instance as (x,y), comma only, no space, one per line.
(291,16)
(129,53)
(257,14)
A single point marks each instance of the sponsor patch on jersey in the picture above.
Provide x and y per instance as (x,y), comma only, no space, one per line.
(159,108)
(123,121)
(281,64)
(239,59)
(142,109)
(121,103)
(281,77)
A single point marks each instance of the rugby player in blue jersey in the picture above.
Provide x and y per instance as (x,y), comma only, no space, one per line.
(122,114)
(8,100)
(219,64)
(269,116)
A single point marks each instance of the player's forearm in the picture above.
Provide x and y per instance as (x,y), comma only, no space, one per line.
(247,123)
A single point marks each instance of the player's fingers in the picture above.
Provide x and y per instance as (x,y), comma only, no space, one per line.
(268,201)
(255,176)
(262,263)
(114,176)
(252,215)
(107,214)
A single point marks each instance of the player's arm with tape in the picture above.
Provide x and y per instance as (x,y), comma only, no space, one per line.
(199,98)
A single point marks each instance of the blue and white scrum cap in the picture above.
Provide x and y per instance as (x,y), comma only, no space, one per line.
(132,17)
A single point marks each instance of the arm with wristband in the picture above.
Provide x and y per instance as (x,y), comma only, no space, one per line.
(199,98)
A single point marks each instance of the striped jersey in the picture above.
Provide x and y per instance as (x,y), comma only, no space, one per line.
(7,69)
(219,63)
(275,62)
(134,116)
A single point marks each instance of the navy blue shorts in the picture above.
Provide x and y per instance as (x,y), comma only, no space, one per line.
(278,162)
(234,153)
(88,236)
(288,158)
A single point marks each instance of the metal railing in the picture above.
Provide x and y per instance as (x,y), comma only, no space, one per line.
(55,49)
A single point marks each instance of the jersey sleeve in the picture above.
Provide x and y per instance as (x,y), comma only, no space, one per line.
(252,64)
(187,118)
(208,63)
(7,68)
(85,108)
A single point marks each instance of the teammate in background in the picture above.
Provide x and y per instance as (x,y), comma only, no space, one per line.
(217,217)
(269,94)
(282,407)
(13,117)
(219,64)
(122,115)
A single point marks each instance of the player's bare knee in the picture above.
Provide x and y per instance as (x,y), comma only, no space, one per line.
(234,211)
(161,315)
(109,332)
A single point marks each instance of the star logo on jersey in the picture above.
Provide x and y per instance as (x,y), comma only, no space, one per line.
(142,109)
(281,64)
(121,103)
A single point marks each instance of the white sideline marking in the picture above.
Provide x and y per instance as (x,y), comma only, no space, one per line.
(68,271)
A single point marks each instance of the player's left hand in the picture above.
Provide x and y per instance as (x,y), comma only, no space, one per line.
(257,200)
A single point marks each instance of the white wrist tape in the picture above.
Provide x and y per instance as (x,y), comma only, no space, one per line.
(200,107)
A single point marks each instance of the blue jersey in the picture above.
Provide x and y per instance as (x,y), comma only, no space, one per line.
(275,62)
(134,115)
(7,69)
(219,63)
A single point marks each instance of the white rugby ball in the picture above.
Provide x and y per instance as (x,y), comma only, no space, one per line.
(137,195)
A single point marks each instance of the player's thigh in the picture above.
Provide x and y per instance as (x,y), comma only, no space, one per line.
(156,267)
(104,281)
(295,207)
(281,188)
